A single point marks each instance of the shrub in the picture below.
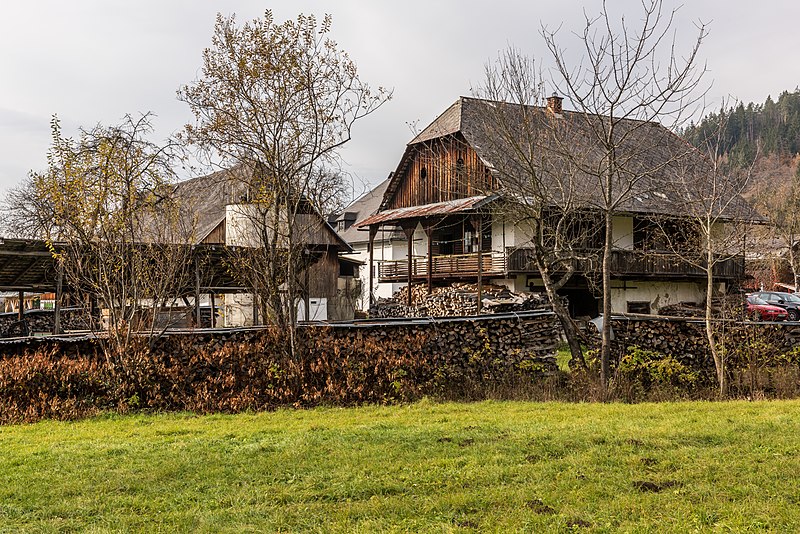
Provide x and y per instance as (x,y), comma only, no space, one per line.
(643,374)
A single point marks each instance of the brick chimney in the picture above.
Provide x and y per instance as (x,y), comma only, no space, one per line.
(554,104)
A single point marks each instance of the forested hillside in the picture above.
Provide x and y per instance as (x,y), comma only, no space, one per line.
(751,130)
(762,142)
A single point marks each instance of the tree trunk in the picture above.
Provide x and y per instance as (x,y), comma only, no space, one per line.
(605,347)
(719,362)
(570,332)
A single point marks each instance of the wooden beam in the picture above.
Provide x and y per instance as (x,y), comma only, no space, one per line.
(57,302)
(428,227)
(40,254)
(197,290)
(373,231)
(24,271)
(306,254)
(408,230)
(477,223)
(213,311)
(21,307)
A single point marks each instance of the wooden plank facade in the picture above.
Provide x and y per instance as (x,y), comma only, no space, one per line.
(441,170)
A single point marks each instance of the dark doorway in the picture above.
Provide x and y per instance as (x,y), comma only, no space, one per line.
(581,302)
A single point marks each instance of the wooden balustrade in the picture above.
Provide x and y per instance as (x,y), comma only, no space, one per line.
(624,263)
(455,266)
(635,263)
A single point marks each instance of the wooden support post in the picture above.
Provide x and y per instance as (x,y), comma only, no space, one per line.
(255,305)
(307,258)
(213,311)
(478,224)
(408,230)
(197,291)
(21,307)
(428,226)
(57,303)
(373,231)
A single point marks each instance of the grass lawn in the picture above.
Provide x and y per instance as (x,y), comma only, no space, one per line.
(492,466)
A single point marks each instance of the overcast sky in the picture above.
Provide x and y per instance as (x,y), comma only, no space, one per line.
(93,61)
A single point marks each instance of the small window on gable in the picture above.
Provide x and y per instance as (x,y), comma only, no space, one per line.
(459,169)
(423,173)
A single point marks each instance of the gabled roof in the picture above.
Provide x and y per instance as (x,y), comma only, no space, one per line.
(672,174)
(203,201)
(364,206)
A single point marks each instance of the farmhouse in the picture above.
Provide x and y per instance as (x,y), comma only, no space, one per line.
(446,214)
(220,208)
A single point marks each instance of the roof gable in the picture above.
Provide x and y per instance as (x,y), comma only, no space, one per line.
(672,176)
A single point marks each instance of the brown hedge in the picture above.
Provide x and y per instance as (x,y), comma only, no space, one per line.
(252,370)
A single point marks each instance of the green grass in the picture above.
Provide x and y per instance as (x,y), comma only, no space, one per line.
(496,467)
(563,357)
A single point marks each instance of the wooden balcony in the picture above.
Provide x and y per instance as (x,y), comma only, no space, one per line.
(462,266)
(636,264)
(624,264)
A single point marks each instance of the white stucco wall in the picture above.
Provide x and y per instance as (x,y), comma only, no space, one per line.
(517,235)
(384,250)
(238,309)
(622,232)
(658,294)
(500,238)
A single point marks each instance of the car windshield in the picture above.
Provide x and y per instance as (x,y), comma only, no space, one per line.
(752,299)
(789,297)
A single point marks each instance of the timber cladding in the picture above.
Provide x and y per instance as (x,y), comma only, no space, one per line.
(440,170)
(251,369)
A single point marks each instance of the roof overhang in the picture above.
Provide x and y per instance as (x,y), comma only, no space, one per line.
(437,209)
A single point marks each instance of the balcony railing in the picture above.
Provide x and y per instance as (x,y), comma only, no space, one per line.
(624,263)
(452,266)
(634,263)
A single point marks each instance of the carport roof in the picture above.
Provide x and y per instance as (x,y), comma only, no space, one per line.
(26,265)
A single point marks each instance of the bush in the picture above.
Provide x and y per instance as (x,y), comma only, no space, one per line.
(252,370)
(643,374)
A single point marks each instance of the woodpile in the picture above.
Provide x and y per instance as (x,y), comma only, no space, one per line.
(458,299)
(41,321)
(683,309)
(251,369)
(493,346)
(726,307)
(684,340)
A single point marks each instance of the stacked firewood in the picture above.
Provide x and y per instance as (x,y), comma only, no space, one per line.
(507,341)
(458,299)
(684,340)
(35,321)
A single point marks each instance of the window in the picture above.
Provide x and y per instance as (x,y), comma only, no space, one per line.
(638,306)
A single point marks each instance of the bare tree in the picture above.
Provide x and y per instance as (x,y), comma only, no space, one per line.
(627,79)
(278,101)
(111,224)
(781,205)
(541,188)
(26,213)
(712,190)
